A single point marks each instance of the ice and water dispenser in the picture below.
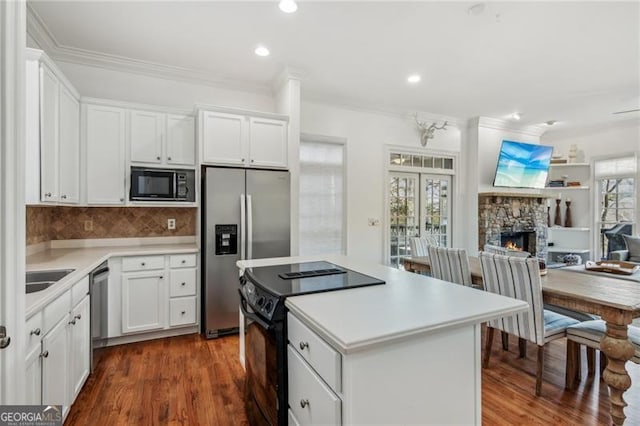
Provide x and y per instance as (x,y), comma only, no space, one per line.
(226,239)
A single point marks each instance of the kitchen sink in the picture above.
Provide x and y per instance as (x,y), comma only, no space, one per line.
(41,280)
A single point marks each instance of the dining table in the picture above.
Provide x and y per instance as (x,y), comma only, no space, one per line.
(615,300)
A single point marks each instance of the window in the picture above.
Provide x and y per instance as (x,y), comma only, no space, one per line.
(321,201)
(403,221)
(616,191)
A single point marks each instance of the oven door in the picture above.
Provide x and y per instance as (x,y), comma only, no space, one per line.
(148,184)
(264,390)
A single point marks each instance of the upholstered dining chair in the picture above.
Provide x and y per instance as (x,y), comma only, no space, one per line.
(450,264)
(589,333)
(519,278)
(419,245)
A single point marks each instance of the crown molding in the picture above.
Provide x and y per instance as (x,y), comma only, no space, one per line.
(287,74)
(391,112)
(37,29)
(500,124)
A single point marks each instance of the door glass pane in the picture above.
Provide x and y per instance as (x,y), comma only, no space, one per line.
(402,214)
(436,208)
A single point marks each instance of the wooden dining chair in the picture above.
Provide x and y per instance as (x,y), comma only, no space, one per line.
(519,278)
(450,264)
(419,245)
(589,333)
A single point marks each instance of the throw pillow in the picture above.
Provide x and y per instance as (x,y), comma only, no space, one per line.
(633,245)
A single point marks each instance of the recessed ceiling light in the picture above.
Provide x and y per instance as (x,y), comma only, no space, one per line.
(476,9)
(414,78)
(516,115)
(550,122)
(288,6)
(262,51)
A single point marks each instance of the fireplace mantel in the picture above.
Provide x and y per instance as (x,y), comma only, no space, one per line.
(513,195)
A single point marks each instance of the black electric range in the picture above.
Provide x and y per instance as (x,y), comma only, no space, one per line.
(263,291)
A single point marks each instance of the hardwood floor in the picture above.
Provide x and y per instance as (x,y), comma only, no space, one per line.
(190,380)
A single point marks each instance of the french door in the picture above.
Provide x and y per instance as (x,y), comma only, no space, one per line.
(419,205)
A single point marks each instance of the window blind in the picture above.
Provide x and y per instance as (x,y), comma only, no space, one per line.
(321,209)
(615,167)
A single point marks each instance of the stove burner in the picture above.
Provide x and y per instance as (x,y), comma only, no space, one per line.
(308,274)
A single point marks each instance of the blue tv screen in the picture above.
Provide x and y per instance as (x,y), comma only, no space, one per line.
(522,165)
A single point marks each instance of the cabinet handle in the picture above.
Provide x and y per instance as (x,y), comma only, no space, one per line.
(183,284)
(64,197)
(304,402)
(78,316)
(35,332)
(122,200)
(72,322)
(44,354)
(252,160)
(303,345)
(183,312)
(184,261)
(243,160)
(158,158)
(169,158)
(48,194)
(142,264)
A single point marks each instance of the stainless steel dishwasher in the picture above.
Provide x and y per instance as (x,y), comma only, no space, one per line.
(99,291)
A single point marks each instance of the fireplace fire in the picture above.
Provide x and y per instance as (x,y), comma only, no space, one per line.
(512,246)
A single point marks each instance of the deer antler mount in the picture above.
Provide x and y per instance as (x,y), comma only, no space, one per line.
(427,130)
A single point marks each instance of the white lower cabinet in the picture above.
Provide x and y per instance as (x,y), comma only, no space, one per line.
(398,382)
(58,349)
(156,293)
(143,294)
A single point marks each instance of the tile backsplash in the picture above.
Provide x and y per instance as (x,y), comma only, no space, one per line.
(70,223)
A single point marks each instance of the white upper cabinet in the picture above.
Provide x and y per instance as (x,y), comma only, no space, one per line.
(242,140)
(105,139)
(146,137)
(181,140)
(268,142)
(48,134)
(158,138)
(223,138)
(52,151)
(69,147)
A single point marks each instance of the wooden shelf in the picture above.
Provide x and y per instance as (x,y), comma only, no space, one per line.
(562,188)
(555,249)
(564,228)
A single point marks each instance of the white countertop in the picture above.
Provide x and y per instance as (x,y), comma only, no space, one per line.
(84,260)
(406,306)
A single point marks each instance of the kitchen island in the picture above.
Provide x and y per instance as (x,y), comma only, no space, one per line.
(405,352)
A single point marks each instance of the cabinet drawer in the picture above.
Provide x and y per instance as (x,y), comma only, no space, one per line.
(79,291)
(182,311)
(322,357)
(182,261)
(142,263)
(55,311)
(310,399)
(34,331)
(183,282)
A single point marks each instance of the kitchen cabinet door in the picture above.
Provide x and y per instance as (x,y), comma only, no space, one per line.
(146,133)
(144,300)
(55,365)
(33,377)
(48,134)
(223,138)
(80,346)
(181,143)
(268,146)
(105,136)
(69,147)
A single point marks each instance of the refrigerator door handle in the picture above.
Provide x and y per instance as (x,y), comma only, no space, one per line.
(242,225)
(249,228)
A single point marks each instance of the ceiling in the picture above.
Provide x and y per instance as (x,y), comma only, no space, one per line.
(574,62)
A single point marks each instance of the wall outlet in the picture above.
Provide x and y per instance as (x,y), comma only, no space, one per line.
(373,221)
(88,225)
(171,224)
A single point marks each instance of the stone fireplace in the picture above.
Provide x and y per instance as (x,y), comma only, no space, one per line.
(512,218)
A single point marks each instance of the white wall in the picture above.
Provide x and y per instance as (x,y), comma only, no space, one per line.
(123,86)
(367,134)
(621,137)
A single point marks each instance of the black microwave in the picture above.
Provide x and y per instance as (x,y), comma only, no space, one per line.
(162,185)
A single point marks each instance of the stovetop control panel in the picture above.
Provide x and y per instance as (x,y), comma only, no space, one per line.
(259,300)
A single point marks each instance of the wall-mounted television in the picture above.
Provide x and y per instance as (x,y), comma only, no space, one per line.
(522,165)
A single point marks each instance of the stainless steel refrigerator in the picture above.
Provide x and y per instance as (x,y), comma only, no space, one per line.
(245,215)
